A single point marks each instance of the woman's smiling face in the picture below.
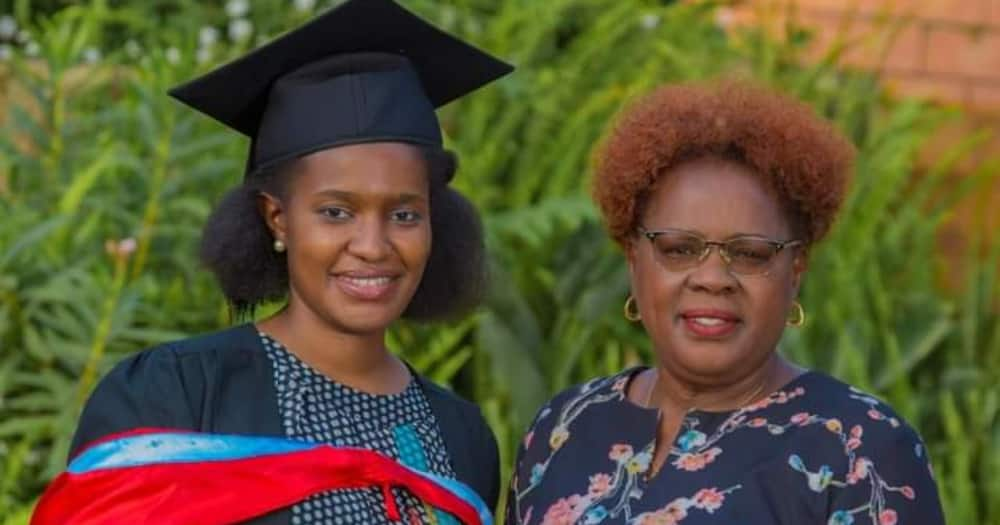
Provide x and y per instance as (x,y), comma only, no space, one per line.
(356,223)
(707,324)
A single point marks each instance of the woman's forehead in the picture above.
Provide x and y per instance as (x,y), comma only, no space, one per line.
(378,170)
(714,196)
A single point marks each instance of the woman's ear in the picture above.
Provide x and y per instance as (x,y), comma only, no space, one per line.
(271,210)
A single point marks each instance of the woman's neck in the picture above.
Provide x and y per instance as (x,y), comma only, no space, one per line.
(358,360)
(674,393)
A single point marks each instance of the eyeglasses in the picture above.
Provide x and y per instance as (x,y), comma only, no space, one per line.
(679,250)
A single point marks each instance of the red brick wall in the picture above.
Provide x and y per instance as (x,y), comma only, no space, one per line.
(948,50)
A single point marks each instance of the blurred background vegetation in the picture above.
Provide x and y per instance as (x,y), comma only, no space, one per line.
(105,183)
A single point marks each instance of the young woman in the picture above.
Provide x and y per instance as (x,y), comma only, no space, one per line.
(345,214)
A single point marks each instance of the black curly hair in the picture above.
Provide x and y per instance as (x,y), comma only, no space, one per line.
(237,246)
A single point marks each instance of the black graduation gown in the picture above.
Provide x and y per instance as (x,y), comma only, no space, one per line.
(222,383)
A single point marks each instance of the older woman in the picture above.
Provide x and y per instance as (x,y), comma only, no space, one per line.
(716,193)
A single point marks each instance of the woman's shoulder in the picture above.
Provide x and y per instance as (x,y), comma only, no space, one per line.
(851,442)
(574,402)
(604,387)
(821,401)
(240,340)
(822,392)
(159,385)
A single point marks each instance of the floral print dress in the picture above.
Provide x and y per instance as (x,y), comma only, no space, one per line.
(816,452)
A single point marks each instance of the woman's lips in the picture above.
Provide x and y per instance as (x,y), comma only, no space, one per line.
(714,324)
(367,287)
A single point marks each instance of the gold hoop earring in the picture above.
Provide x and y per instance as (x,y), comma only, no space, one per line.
(632,310)
(799,317)
(279,246)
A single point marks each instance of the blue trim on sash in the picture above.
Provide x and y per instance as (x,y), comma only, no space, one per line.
(146,449)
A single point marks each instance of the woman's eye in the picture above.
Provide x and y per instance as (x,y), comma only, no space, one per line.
(332,212)
(751,251)
(406,216)
(678,250)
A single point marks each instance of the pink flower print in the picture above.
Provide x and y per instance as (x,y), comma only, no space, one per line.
(801,418)
(620,452)
(887,517)
(600,484)
(876,415)
(558,437)
(694,462)
(709,499)
(527,516)
(620,384)
(799,391)
(564,512)
(527,439)
(672,514)
(855,440)
(674,511)
(757,422)
(652,518)
(559,513)
(908,492)
(858,472)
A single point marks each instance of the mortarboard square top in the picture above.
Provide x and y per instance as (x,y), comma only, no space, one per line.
(365,71)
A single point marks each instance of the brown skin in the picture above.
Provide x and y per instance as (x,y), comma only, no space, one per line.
(718,199)
(351,212)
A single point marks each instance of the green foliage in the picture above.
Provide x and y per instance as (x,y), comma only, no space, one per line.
(105,183)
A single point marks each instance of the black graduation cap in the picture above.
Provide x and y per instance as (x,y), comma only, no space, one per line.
(365,71)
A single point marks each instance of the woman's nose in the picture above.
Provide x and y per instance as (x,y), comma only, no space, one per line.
(370,240)
(712,274)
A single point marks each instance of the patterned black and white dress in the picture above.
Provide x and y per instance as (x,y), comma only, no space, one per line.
(317,409)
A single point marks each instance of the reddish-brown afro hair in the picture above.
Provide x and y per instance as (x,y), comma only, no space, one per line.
(799,155)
